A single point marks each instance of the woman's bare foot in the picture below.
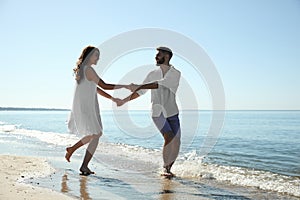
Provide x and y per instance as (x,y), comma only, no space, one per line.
(86,170)
(69,153)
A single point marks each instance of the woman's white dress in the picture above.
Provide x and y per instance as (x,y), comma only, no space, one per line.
(84,118)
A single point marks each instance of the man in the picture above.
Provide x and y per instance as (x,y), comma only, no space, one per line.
(163,83)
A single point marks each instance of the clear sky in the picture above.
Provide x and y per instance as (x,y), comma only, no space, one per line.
(254,44)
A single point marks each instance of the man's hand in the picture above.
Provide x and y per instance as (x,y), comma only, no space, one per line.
(133,87)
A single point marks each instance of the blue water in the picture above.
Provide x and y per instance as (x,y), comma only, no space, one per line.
(266,140)
(260,140)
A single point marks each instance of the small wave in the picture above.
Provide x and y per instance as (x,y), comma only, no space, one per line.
(48,137)
(195,168)
(7,128)
(124,150)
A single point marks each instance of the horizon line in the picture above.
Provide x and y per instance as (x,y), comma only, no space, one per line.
(66,109)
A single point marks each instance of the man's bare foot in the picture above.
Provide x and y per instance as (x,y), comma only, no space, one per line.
(68,153)
(167,172)
(167,169)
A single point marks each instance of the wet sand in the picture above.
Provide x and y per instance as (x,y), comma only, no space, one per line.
(14,169)
(23,177)
(122,182)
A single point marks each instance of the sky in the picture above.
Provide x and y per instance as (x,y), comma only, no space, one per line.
(254,45)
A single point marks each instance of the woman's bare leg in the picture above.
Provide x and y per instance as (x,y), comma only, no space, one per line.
(89,154)
(72,149)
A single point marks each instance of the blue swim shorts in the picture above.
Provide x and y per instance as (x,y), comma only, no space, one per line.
(168,125)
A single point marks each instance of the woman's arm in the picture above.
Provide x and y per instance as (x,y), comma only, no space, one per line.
(93,76)
(134,95)
(107,86)
(106,95)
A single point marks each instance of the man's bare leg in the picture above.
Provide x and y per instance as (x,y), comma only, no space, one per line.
(175,146)
(170,150)
(167,151)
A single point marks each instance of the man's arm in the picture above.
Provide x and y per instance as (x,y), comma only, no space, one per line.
(134,87)
(153,85)
(134,95)
(171,81)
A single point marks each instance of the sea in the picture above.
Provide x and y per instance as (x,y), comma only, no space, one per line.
(253,155)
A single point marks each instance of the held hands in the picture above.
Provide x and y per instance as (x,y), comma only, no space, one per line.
(132,87)
(119,102)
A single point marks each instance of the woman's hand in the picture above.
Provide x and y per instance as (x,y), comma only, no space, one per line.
(118,101)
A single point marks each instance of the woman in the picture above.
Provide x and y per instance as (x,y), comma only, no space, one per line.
(85,115)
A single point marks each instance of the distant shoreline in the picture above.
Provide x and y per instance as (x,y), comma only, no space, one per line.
(64,109)
(32,109)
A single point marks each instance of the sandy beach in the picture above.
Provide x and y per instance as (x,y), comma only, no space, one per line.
(23,177)
(15,169)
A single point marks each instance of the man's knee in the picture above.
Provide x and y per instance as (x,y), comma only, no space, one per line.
(168,137)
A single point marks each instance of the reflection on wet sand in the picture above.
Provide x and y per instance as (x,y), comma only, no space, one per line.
(64,186)
(83,186)
(83,189)
(168,189)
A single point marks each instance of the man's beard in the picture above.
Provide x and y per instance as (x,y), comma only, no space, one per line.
(160,61)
